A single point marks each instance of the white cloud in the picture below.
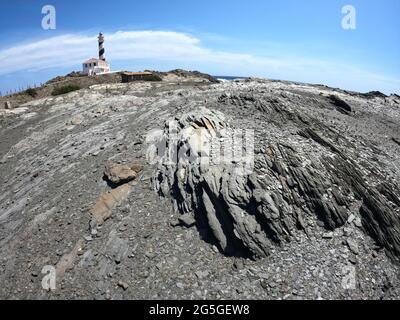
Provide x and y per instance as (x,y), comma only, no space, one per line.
(184,49)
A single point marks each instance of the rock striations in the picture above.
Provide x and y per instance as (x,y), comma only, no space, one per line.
(248,212)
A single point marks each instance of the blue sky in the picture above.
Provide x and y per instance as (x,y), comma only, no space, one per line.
(299,40)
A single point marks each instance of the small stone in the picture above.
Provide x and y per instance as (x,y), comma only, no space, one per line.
(88,238)
(187,220)
(145,274)
(180,285)
(159,265)
(175,223)
(150,255)
(353,259)
(122,228)
(201,274)
(328,235)
(347,231)
(320,223)
(108,295)
(198,293)
(123,285)
(352,246)
(264,284)
(76,120)
(238,264)
(351,218)
(148,234)
(358,223)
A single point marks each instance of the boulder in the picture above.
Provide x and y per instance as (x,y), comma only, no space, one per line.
(7,105)
(119,173)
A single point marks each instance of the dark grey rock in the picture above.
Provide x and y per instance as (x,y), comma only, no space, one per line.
(187,220)
(353,246)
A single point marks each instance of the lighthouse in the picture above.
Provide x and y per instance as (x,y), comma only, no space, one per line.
(95,66)
(101,47)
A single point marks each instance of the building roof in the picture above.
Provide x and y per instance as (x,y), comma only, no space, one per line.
(137,73)
(91,60)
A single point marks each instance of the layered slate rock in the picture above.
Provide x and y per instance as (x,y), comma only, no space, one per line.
(341,105)
(216,191)
(249,209)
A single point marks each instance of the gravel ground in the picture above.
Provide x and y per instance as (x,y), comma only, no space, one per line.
(52,157)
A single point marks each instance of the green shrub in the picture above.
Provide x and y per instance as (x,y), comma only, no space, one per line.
(31,92)
(64,89)
(152,77)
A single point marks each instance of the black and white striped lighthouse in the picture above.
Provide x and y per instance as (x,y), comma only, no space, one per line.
(98,66)
(101,47)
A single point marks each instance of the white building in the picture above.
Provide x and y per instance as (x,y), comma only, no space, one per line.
(95,66)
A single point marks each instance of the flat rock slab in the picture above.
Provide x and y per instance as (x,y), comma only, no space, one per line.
(102,210)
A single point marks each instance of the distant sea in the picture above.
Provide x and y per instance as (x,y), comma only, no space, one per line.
(228,78)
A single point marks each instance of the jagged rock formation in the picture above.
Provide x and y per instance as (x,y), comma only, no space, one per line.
(341,105)
(251,212)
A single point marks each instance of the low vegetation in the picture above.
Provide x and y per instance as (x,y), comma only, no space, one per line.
(152,77)
(65,89)
(31,92)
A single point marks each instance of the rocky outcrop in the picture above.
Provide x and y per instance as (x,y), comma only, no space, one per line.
(215,189)
(341,105)
(381,218)
(250,213)
(242,214)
